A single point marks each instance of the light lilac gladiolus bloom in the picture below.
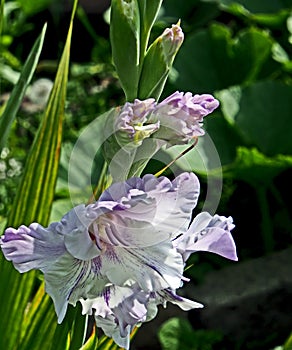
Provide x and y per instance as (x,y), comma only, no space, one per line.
(132,121)
(123,255)
(177,120)
(181,116)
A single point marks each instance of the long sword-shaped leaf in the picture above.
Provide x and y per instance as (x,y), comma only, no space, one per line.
(1,17)
(21,326)
(19,89)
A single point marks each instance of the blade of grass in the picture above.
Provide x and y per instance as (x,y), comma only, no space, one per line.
(33,203)
(1,17)
(19,89)
(39,328)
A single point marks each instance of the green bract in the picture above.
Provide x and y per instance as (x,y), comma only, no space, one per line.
(125,41)
(142,70)
(158,61)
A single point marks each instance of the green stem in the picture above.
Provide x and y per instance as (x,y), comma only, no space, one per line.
(176,158)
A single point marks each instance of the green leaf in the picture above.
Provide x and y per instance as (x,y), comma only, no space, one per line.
(39,322)
(288,343)
(148,12)
(158,62)
(272,13)
(70,334)
(255,6)
(262,113)
(125,42)
(92,343)
(213,60)
(255,168)
(19,90)
(1,17)
(21,326)
(30,7)
(177,334)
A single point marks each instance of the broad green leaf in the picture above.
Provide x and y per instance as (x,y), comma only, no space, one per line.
(195,13)
(272,13)
(83,166)
(19,90)
(255,6)
(213,60)
(255,168)
(177,334)
(259,171)
(212,151)
(33,202)
(262,113)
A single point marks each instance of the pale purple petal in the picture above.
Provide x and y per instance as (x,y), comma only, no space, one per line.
(181,116)
(112,330)
(207,233)
(153,268)
(70,279)
(185,304)
(33,247)
(131,123)
(67,279)
(117,310)
(74,226)
(129,305)
(146,211)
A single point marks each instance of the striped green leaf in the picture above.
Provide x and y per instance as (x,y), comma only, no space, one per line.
(19,89)
(28,319)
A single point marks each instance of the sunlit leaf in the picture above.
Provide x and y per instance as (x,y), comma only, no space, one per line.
(32,7)
(24,327)
(125,42)
(255,168)
(19,90)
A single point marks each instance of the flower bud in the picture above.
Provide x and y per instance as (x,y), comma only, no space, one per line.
(158,62)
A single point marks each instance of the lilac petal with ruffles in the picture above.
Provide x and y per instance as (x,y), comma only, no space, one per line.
(181,116)
(33,247)
(147,211)
(208,233)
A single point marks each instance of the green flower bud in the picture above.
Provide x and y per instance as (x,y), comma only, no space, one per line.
(158,62)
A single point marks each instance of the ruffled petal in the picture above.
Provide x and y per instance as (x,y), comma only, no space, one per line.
(208,233)
(74,226)
(33,247)
(153,268)
(147,211)
(181,116)
(112,330)
(70,279)
(183,303)
(118,310)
